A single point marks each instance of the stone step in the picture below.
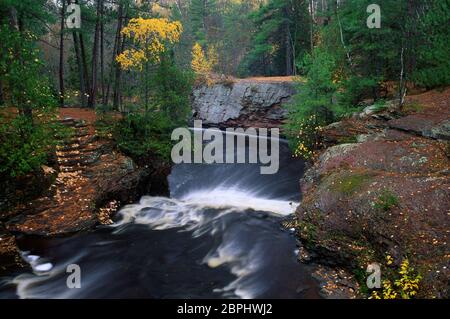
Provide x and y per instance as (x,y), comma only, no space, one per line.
(83,159)
(70,169)
(81,134)
(81,124)
(70,162)
(67,120)
(69,154)
(80,154)
(70,147)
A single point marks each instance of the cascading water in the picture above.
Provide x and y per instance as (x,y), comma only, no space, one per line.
(218,236)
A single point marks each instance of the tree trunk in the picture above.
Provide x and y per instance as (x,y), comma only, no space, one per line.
(115,50)
(102,56)
(289,60)
(76,45)
(61,56)
(117,83)
(85,65)
(118,75)
(93,94)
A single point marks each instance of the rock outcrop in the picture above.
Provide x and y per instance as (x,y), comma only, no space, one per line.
(246,102)
(93,178)
(384,191)
(85,186)
(10,258)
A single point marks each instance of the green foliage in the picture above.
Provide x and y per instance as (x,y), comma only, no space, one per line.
(316,93)
(171,89)
(281,34)
(379,106)
(32,13)
(20,71)
(350,183)
(313,107)
(434,51)
(399,284)
(105,123)
(27,137)
(386,201)
(307,139)
(24,147)
(148,132)
(142,134)
(199,12)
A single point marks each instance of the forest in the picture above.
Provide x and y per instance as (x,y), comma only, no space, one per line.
(135,63)
(326,43)
(130,55)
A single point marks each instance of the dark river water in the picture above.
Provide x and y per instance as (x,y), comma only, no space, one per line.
(217,236)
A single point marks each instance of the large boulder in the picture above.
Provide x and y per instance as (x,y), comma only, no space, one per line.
(385,194)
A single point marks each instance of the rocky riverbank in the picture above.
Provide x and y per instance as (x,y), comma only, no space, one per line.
(89,180)
(381,190)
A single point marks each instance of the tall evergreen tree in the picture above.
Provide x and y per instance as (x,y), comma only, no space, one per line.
(280,37)
(201,13)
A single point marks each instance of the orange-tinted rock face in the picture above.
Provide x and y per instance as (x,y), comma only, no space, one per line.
(387,195)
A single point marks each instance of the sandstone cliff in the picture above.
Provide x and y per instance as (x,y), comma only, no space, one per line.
(252,102)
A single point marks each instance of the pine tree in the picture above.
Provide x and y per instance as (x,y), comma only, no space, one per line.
(201,13)
(433,65)
(280,37)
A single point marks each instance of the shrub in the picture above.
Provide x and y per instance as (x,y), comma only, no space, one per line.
(28,129)
(105,121)
(24,146)
(386,201)
(311,108)
(403,285)
(141,134)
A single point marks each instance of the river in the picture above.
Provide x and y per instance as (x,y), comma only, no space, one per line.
(217,236)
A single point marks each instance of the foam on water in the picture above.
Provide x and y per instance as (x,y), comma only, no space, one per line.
(164,213)
(242,258)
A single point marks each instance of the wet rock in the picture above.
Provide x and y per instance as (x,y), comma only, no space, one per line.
(10,258)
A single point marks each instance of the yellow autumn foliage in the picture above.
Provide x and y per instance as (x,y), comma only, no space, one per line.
(405,287)
(203,65)
(200,64)
(150,37)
